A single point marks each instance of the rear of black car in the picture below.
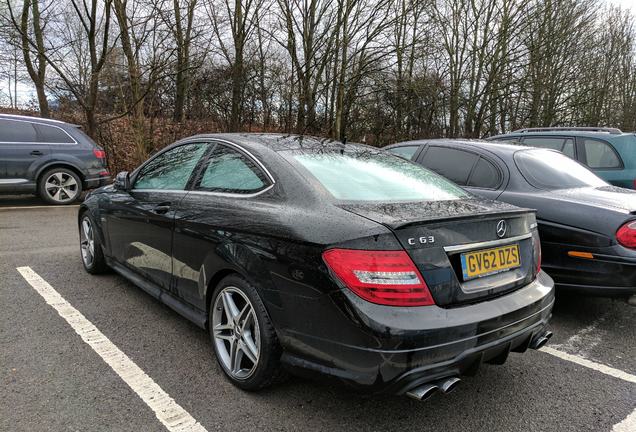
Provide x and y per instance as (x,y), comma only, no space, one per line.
(447,283)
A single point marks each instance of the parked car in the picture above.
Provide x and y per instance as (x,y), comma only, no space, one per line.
(330,259)
(587,227)
(610,153)
(53,159)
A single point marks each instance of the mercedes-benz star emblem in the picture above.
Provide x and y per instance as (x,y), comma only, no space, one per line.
(501,228)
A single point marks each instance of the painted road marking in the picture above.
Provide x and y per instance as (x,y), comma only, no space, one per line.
(616,373)
(38,207)
(584,340)
(627,425)
(169,413)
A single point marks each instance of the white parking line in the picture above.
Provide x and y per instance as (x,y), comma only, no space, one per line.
(38,207)
(627,425)
(616,373)
(169,413)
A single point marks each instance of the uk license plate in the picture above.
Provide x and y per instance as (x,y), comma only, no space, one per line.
(490,261)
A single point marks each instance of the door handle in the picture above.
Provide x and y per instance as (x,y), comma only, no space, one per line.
(162,208)
(36,153)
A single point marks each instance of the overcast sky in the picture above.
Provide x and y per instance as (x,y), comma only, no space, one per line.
(627,4)
(27,93)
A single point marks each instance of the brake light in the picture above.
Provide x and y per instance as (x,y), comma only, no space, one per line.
(383,277)
(626,235)
(99,153)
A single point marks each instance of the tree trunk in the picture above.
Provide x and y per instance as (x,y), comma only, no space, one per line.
(36,72)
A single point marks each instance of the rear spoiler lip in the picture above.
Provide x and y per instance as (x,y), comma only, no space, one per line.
(481,215)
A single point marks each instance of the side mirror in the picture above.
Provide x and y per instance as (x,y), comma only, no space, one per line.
(122,181)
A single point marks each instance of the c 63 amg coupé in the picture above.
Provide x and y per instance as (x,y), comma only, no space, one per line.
(321,258)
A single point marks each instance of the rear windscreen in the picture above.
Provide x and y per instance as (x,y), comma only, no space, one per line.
(376,176)
(547,169)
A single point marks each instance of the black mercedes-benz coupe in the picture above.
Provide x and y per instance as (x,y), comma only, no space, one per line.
(587,226)
(321,258)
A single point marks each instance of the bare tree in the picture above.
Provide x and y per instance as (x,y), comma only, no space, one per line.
(31,24)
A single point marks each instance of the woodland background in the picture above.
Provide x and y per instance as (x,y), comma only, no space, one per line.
(139,74)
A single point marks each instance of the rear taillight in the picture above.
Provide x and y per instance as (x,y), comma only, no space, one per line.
(99,153)
(383,277)
(626,235)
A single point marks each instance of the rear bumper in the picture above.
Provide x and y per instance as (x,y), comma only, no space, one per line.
(93,182)
(596,290)
(428,344)
(609,273)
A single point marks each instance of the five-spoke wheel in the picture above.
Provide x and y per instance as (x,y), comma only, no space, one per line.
(243,336)
(60,186)
(87,242)
(90,245)
(236,333)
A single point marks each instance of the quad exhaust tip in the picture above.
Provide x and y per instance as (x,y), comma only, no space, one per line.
(540,341)
(425,391)
(448,385)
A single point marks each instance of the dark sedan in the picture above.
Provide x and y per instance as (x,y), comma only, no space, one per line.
(587,227)
(321,258)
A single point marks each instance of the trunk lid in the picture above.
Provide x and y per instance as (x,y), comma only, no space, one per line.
(611,197)
(437,234)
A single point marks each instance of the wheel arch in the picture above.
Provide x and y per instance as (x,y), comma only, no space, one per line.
(241,261)
(57,164)
(213,282)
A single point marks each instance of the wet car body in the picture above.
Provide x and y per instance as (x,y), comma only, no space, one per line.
(277,239)
(578,225)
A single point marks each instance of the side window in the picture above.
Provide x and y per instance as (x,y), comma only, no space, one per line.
(12,131)
(562,144)
(451,163)
(600,154)
(545,142)
(406,152)
(230,171)
(508,139)
(52,135)
(170,170)
(485,175)
(568,148)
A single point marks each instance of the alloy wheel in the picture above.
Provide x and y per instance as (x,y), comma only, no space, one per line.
(61,187)
(236,333)
(87,242)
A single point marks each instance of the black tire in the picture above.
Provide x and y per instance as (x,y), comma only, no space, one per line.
(97,263)
(268,369)
(60,186)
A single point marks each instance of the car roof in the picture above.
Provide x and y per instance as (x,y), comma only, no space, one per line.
(609,134)
(494,147)
(276,141)
(35,119)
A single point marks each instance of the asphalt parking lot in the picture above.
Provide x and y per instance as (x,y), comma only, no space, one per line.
(52,380)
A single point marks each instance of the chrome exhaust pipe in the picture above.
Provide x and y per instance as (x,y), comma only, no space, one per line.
(540,341)
(423,392)
(447,385)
